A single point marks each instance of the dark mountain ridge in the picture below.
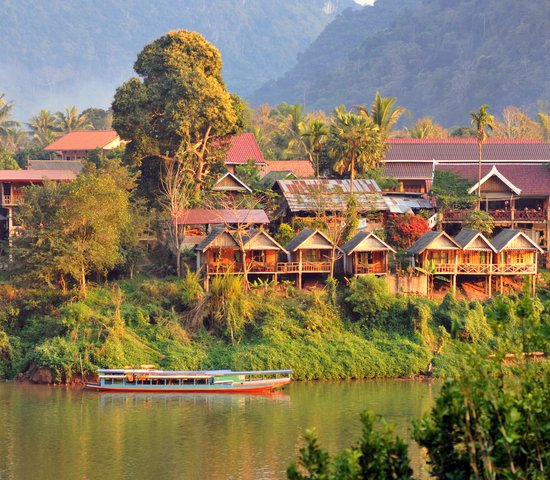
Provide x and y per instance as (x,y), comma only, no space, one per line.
(440,57)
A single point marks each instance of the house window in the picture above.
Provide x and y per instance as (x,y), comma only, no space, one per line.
(366,258)
(440,257)
(258,256)
(311,255)
(483,258)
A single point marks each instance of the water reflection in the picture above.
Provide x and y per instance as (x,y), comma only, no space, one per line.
(53,433)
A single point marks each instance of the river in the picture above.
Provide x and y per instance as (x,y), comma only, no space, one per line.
(67,433)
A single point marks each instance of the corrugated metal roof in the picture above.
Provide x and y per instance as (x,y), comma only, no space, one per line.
(83,140)
(72,165)
(203,216)
(397,204)
(466,149)
(409,170)
(35,175)
(332,195)
(531,178)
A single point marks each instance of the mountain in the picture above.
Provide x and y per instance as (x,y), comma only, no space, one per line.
(442,58)
(60,52)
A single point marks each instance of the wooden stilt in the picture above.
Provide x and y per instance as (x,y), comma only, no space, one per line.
(490,286)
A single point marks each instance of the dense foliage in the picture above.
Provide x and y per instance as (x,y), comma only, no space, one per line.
(403,230)
(484,425)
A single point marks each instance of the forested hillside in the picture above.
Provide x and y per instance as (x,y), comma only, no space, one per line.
(59,53)
(439,58)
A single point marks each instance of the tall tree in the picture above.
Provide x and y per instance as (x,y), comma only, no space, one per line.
(44,128)
(384,113)
(354,142)
(71,120)
(482,121)
(544,125)
(313,137)
(6,125)
(72,229)
(426,128)
(178,104)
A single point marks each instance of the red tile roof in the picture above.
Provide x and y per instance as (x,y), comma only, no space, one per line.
(244,147)
(300,168)
(35,175)
(531,178)
(466,149)
(409,170)
(203,216)
(83,140)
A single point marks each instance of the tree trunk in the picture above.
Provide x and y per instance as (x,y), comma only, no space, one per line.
(352,173)
(82,282)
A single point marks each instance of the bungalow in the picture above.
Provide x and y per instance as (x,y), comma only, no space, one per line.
(225,252)
(310,252)
(516,254)
(78,144)
(437,254)
(364,254)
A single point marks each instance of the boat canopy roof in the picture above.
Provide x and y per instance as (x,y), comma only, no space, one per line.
(187,373)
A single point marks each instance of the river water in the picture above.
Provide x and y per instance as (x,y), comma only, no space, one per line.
(67,433)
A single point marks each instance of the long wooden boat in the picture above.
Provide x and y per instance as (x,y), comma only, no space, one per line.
(181,381)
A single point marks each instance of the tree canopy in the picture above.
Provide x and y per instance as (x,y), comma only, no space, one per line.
(177,105)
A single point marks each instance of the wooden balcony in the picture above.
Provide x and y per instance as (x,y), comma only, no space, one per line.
(370,269)
(485,269)
(515,268)
(474,268)
(11,200)
(500,216)
(266,267)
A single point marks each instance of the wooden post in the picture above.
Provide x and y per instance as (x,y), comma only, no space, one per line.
(501,283)
(300,269)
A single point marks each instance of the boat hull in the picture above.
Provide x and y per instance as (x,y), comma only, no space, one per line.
(255,386)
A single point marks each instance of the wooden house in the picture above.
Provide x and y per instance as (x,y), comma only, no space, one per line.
(310,252)
(261,253)
(476,256)
(366,254)
(225,252)
(516,254)
(437,254)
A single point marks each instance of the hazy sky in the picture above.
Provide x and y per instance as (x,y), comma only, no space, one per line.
(365,2)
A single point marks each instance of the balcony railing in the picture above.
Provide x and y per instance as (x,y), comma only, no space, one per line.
(484,268)
(14,199)
(515,268)
(268,267)
(526,215)
(474,268)
(369,269)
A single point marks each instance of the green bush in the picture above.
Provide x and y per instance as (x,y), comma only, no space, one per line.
(368,296)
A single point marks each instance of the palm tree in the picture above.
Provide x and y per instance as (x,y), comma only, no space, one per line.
(354,141)
(16,139)
(384,113)
(312,138)
(5,113)
(44,128)
(71,120)
(290,123)
(482,121)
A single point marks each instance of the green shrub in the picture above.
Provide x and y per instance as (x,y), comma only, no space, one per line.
(368,296)
(59,356)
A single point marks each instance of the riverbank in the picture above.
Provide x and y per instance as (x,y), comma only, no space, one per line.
(360,331)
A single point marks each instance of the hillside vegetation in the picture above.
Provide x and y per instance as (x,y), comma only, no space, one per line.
(361,331)
(439,58)
(77,52)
